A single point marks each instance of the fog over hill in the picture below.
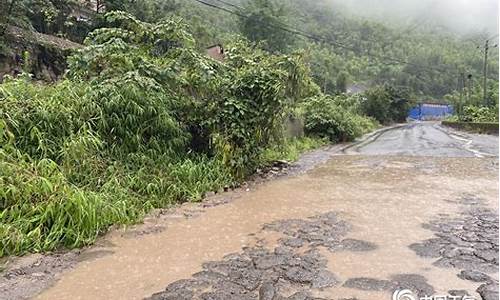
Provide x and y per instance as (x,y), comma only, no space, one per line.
(463,16)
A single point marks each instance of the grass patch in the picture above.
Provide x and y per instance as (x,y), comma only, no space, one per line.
(291,149)
(42,210)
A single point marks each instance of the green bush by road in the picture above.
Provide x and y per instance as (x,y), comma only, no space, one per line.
(143,120)
(478,114)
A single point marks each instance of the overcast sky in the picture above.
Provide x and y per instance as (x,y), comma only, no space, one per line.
(461,15)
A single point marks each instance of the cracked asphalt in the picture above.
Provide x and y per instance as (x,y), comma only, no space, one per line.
(413,207)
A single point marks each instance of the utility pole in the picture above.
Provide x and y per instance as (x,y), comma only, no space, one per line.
(485,71)
(461,85)
(464,90)
(469,88)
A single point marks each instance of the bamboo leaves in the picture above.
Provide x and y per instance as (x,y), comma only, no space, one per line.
(142,121)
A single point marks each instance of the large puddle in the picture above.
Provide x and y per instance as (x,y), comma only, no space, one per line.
(384,199)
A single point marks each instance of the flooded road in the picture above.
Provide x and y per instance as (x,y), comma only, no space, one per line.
(380,216)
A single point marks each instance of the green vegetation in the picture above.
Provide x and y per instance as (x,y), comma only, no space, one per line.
(273,14)
(471,107)
(423,57)
(326,117)
(475,127)
(65,179)
(144,119)
(291,149)
(386,104)
(477,114)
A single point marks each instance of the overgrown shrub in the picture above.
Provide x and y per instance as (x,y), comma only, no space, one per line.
(290,149)
(45,205)
(478,114)
(41,210)
(386,104)
(251,117)
(325,117)
(134,113)
(112,140)
(144,120)
(235,110)
(42,117)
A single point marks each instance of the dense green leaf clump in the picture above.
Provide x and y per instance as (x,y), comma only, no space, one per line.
(471,106)
(261,22)
(386,104)
(325,116)
(142,121)
(478,114)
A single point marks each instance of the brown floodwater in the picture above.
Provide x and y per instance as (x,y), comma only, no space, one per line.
(385,199)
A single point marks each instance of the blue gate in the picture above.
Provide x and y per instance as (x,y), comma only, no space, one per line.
(427,111)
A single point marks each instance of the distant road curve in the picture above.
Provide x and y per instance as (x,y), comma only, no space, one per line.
(426,139)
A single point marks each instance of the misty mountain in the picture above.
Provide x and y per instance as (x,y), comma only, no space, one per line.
(464,16)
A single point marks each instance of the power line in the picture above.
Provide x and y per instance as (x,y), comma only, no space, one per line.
(419,21)
(282,26)
(316,38)
(228,4)
(220,8)
(492,37)
(295,31)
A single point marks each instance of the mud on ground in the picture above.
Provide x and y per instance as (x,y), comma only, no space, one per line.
(388,226)
(24,277)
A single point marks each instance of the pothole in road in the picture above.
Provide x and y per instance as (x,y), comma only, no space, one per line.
(468,242)
(294,269)
(414,282)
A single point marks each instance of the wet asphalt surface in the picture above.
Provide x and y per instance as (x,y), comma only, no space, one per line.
(466,243)
(295,267)
(308,255)
(427,139)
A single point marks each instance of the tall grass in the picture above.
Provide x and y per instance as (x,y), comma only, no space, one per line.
(67,172)
(75,160)
(41,210)
(291,149)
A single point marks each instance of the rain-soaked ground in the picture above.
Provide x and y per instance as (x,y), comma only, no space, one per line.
(414,207)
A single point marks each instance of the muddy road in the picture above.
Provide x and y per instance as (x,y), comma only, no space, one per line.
(414,207)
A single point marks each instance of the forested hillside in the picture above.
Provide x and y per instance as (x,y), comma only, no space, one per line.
(137,116)
(341,48)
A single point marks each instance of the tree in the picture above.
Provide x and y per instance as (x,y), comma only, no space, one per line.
(6,9)
(341,82)
(262,22)
(386,104)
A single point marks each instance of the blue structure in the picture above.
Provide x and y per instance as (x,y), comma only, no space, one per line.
(428,111)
